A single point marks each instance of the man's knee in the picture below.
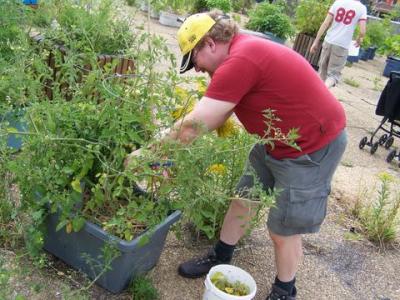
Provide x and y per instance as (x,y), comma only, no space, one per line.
(283,241)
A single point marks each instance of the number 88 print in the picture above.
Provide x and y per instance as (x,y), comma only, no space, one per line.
(345,16)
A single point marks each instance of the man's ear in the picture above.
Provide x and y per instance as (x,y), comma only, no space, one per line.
(210,43)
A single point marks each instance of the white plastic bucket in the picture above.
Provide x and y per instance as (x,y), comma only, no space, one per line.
(232,274)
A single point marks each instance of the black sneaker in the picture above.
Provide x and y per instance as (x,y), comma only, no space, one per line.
(198,267)
(280,294)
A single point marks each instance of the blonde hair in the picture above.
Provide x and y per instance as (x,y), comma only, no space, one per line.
(223,30)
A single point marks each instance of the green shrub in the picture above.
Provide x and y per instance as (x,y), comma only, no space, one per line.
(142,288)
(392,45)
(310,14)
(377,33)
(223,5)
(85,27)
(267,17)
(206,5)
(131,2)
(380,219)
(242,6)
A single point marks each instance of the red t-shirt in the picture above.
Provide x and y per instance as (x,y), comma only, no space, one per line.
(259,74)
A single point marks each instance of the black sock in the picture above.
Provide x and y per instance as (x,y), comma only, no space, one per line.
(223,251)
(287,286)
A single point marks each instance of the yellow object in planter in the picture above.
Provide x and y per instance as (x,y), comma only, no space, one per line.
(229,128)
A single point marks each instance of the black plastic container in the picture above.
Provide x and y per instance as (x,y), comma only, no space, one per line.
(135,257)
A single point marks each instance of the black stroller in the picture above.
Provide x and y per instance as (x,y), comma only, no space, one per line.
(388,107)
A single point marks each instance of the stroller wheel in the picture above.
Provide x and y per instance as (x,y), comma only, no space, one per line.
(363,142)
(390,156)
(382,139)
(389,142)
(374,147)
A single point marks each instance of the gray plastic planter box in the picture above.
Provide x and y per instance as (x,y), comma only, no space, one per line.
(134,259)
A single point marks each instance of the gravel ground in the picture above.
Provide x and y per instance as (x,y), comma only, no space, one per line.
(333,266)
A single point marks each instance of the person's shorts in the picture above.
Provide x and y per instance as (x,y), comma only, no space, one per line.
(304,184)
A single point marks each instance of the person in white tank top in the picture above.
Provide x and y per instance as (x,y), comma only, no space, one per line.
(342,19)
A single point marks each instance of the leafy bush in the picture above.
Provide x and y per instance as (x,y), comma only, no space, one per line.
(143,289)
(267,17)
(392,45)
(85,27)
(206,176)
(223,5)
(174,6)
(380,219)
(19,82)
(206,5)
(310,14)
(242,6)
(376,34)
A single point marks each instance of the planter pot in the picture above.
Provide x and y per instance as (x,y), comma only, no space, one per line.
(15,120)
(352,58)
(169,19)
(372,51)
(302,45)
(392,64)
(364,54)
(154,14)
(135,258)
(144,6)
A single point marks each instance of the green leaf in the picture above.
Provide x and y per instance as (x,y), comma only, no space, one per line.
(61,224)
(76,185)
(78,223)
(12,130)
(144,239)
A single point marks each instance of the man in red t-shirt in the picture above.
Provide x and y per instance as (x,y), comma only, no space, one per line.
(250,75)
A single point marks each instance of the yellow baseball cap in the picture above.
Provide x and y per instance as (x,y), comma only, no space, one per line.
(189,34)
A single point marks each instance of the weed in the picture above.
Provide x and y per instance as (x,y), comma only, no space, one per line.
(379,219)
(377,84)
(142,288)
(351,82)
(347,164)
(351,236)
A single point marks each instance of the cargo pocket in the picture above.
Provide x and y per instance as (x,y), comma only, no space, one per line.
(306,206)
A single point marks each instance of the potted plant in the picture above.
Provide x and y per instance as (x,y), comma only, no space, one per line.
(171,11)
(70,171)
(377,32)
(84,206)
(392,50)
(308,18)
(270,20)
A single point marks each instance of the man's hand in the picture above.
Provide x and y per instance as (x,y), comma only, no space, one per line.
(314,47)
(358,41)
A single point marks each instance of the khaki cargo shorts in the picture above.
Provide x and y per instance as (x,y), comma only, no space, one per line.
(332,61)
(304,183)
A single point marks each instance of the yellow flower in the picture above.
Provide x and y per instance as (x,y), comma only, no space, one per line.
(183,110)
(218,169)
(201,86)
(181,94)
(229,128)
(384,176)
